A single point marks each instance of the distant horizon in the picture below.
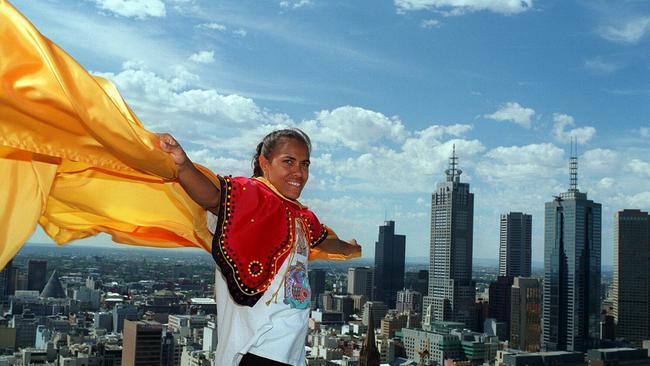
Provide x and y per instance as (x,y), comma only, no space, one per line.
(409,260)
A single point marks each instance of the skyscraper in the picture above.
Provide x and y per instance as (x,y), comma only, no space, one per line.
(500,301)
(515,244)
(6,282)
(360,281)
(36,274)
(389,264)
(631,285)
(316,279)
(526,314)
(572,231)
(409,300)
(142,343)
(451,288)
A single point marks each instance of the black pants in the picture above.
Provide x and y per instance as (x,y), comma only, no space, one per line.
(250,359)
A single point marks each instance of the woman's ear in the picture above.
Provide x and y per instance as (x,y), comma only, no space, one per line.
(265,165)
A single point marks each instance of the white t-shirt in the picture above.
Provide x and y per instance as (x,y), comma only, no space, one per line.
(276,326)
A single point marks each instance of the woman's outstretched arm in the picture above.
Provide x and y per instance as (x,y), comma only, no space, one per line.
(196,184)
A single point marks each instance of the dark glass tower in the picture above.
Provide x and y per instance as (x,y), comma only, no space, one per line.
(6,282)
(389,264)
(317,285)
(36,274)
(572,255)
(451,288)
(515,245)
(632,275)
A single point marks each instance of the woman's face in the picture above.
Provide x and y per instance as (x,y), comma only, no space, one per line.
(288,167)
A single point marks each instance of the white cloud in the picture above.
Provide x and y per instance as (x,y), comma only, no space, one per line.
(158,96)
(606,183)
(222,28)
(458,7)
(600,66)
(637,200)
(629,32)
(405,169)
(600,161)
(202,57)
(521,164)
(240,33)
(581,134)
(353,127)
(139,9)
(514,112)
(430,23)
(639,167)
(221,164)
(294,4)
(212,26)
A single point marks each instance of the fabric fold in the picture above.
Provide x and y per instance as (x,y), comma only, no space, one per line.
(75,159)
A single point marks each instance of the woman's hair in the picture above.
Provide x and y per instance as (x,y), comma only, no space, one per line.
(270,141)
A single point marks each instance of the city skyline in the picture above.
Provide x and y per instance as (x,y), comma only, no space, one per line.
(385,89)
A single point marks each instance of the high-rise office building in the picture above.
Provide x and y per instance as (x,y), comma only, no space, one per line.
(316,284)
(572,255)
(499,306)
(515,244)
(36,275)
(121,313)
(210,336)
(451,288)
(6,282)
(378,310)
(360,281)
(409,300)
(526,314)
(418,281)
(390,251)
(631,285)
(142,344)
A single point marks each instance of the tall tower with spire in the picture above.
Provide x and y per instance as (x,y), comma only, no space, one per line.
(451,288)
(572,256)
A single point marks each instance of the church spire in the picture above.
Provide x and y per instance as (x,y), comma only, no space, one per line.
(369,355)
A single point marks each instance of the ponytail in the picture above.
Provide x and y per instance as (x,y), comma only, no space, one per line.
(257,169)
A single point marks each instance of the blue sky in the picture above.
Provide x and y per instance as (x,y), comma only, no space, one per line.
(385,88)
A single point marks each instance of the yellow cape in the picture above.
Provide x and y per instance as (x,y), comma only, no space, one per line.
(75,159)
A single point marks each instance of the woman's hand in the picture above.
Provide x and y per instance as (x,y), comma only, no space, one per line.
(169,145)
(353,248)
(195,183)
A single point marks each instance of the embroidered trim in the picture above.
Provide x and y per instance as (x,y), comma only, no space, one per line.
(320,238)
(240,292)
(255,268)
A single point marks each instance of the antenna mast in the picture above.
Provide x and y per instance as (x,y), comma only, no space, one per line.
(453,173)
(573,166)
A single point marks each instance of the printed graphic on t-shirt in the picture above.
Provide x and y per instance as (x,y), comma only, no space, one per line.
(297,293)
(301,241)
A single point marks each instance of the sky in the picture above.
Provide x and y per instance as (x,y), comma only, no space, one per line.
(385,89)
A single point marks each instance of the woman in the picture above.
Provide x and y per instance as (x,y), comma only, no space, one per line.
(262,240)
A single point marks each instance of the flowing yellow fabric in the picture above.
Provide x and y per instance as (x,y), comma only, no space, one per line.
(75,159)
